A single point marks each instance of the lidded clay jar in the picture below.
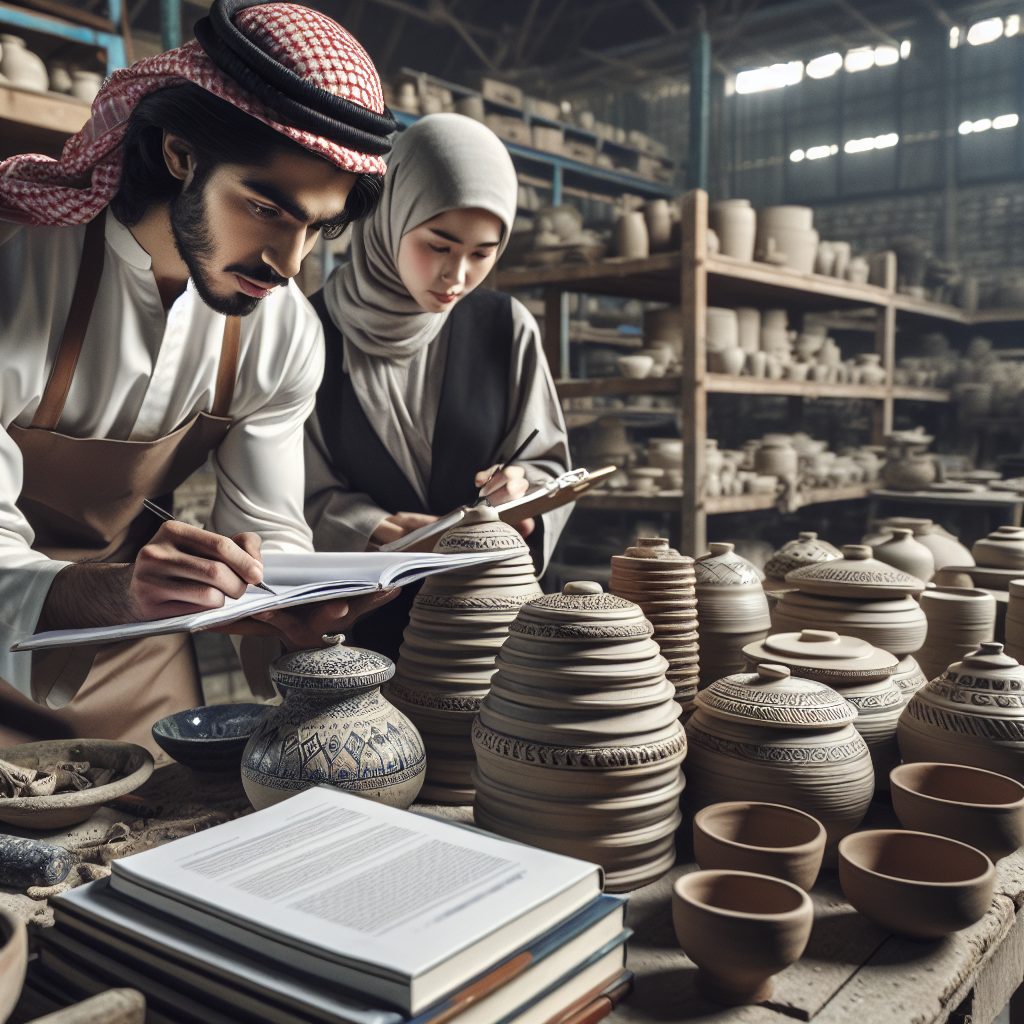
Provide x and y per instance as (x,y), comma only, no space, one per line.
(903,552)
(732,608)
(661,582)
(945,548)
(333,728)
(457,624)
(578,742)
(807,549)
(772,737)
(909,676)
(1001,549)
(972,714)
(862,674)
(858,575)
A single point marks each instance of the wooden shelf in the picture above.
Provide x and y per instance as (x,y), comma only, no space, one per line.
(936,310)
(655,278)
(997,316)
(618,386)
(47,111)
(724,383)
(612,502)
(914,394)
(609,501)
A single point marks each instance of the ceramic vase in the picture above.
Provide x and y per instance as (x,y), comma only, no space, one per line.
(60,78)
(334,728)
(740,929)
(1001,549)
(722,329)
(578,742)
(660,582)
(909,469)
(85,85)
(732,609)
(658,219)
(807,549)
(905,553)
(1014,628)
(871,369)
(21,66)
(736,224)
(631,241)
(945,548)
(959,621)
(457,624)
(748,322)
(972,714)
(775,738)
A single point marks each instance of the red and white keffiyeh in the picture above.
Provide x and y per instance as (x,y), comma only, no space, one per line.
(36,189)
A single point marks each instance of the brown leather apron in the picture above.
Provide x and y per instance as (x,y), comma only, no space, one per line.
(82,497)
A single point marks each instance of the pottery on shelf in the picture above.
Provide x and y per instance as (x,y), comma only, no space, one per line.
(973,806)
(578,742)
(735,221)
(857,575)
(740,929)
(903,552)
(60,77)
(857,671)
(457,624)
(732,609)
(658,218)
(13,960)
(660,582)
(807,549)
(972,714)
(208,739)
(334,728)
(766,839)
(959,621)
(909,468)
(1001,549)
(788,230)
(1014,628)
(914,884)
(636,367)
(723,331)
(20,66)
(773,737)
(631,238)
(132,766)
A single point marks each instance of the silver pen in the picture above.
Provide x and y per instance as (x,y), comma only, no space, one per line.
(166,516)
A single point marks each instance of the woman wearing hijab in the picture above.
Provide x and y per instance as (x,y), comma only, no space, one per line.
(429,379)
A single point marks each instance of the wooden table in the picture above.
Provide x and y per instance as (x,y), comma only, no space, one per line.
(1007,500)
(851,973)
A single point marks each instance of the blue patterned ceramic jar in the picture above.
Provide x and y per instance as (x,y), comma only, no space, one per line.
(333,728)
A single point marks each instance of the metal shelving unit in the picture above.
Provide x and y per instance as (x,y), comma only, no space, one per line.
(108,38)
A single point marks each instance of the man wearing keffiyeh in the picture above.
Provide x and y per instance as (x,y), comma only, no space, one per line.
(148,321)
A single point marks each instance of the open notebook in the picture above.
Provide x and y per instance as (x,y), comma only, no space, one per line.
(300,578)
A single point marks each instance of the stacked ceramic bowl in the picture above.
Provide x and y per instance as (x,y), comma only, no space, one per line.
(781,739)
(661,582)
(579,743)
(859,672)
(732,608)
(458,623)
(1015,621)
(789,231)
(959,621)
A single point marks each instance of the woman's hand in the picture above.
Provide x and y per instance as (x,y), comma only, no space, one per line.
(510,483)
(399,525)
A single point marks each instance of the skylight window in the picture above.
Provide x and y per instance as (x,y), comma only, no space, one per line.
(775,77)
(886,55)
(860,59)
(905,49)
(814,153)
(866,145)
(825,66)
(1012,25)
(986,31)
(984,123)
(954,37)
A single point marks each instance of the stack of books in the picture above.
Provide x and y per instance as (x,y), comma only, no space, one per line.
(330,909)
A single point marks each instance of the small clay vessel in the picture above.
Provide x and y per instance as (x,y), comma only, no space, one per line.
(807,549)
(856,574)
(740,929)
(945,548)
(915,884)
(903,552)
(767,839)
(13,961)
(1001,549)
(972,714)
(980,808)
(334,728)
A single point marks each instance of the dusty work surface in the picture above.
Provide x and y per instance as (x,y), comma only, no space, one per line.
(852,971)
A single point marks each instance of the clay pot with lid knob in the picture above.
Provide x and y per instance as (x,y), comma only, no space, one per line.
(776,738)
(903,552)
(857,575)
(945,548)
(578,741)
(807,549)
(972,714)
(1001,549)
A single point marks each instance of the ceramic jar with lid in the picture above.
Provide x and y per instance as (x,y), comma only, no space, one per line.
(856,670)
(661,582)
(903,552)
(807,549)
(333,728)
(857,574)
(972,714)
(578,742)
(1001,549)
(945,548)
(732,608)
(457,624)
(773,737)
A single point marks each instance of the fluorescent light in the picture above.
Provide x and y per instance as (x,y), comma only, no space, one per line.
(986,31)
(1012,25)
(966,127)
(886,55)
(860,59)
(824,66)
(982,125)
(886,141)
(1005,121)
(954,37)
(866,145)
(818,152)
(905,49)
(833,149)
(775,77)
(796,156)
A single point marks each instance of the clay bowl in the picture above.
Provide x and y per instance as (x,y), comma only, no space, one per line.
(132,764)
(740,929)
(209,739)
(766,839)
(13,961)
(915,884)
(970,805)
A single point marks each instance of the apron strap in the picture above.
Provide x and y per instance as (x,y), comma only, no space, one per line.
(87,285)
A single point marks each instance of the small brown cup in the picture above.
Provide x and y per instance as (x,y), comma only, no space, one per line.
(740,929)
(915,884)
(971,805)
(767,839)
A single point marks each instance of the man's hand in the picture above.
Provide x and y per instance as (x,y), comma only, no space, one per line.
(399,525)
(510,483)
(305,626)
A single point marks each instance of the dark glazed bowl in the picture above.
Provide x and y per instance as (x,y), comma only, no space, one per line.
(209,739)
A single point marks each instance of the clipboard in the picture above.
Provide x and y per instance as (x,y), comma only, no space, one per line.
(543,498)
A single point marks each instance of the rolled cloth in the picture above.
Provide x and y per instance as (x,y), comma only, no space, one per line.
(297,71)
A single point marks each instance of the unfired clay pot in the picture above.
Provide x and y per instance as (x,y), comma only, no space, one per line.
(21,66)
(959,620)
(767,839)
(1015,620)
(903,552)
(980,808)
(858,575)
(807,549)
(735,221)
(1001,549)
(740,929)
(658,219)
(945,548)
(972,714)
(631,239)
(914,884)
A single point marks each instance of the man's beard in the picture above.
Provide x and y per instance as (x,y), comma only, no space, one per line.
(195,246)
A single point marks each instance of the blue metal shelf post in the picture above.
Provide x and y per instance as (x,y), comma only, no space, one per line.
(113,44)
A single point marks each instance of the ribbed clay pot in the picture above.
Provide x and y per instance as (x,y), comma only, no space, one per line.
(1001,549)
(1014,646)
(959,620)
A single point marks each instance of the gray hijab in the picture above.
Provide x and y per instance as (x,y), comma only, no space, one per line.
(442,162)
